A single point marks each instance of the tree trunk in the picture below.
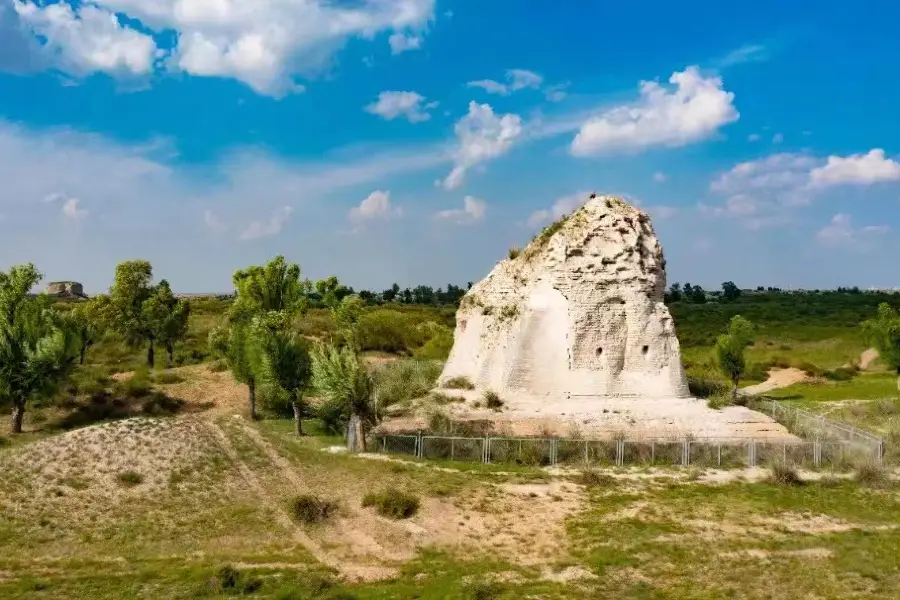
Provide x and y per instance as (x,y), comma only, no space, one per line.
(356,434)
(150,355)
(898,379)
(298,415)
(170,353)
(81,355)
(734,389)
(251,385)
(18,413)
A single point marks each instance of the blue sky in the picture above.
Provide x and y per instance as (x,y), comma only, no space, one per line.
(416,140)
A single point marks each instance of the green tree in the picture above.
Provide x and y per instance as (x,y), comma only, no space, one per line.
(730,348)
(236,345)
(37,346)
(346,385)
(284,364)
(131,288)
(730,292)
(883,332)
(90,320)
(674,293)
(166,319)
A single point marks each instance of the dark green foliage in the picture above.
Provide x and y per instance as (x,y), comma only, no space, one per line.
(129,478)
(513,252)
(309,509)
(492,400)
(785,475)
(594,478)
(459,383)
(218,366)
(160,405)
(705,387)
(233,582)
(388,331)
(873,475)
(168,378)
(840,374)
(138,385)
(392,503)
(483,591)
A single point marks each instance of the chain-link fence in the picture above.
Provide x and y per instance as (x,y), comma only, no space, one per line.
(701,452)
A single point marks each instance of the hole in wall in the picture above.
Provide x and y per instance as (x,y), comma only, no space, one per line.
(599,351)
(645,350)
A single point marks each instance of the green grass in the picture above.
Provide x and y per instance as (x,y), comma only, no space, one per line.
(865,386)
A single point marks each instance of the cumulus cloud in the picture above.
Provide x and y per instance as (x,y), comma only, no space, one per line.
(69,206)
(376,205)
(88,40)
(269,227)
(840,231)
(481,136)
(516,79)
(213,222)
(473,211)
(856,169)
(561,207)
(401,43)
(691,112)
(264,44)
(411,105)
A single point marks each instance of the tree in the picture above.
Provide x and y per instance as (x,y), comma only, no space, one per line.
(730,348)
(883,332)
(697,294)
(236,345)
(674,293)
(284,362)
(343,381)
(166,319)
(37,346)
(730,292)
(131,288)
(90,320)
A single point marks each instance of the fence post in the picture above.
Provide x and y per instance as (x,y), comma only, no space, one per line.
(452,444)
(384,444)
(586,452)
(719,454)
(685,453)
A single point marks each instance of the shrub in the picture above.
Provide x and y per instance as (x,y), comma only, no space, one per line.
(309,509)
(872,474)
(388,330)
(218,366)
(719,400)
(437,347)
(839,374)
(136,386)
(757,372)
(785,474)
(811,369)
(404,380)
(392,503)
(230,581)
(443,399)
(129,478)
(594,478)
(513,252)
(168,378)
(492,400)
(86,381)
(703,387)
(483,591)
(459,383)
(159,404)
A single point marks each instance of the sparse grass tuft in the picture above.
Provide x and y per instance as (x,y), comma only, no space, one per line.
(392,503)
(309,509)
(873,475)
(513,252)
(232,582)
(459,383)
(594,478)
(129,478)
(785,474)
(168,378)
(492,400)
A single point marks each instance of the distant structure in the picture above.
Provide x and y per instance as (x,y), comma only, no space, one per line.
(67,290)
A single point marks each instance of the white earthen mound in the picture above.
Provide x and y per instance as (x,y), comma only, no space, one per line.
(574,328)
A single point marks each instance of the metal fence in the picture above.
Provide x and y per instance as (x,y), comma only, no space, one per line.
(812,426)
(701,452)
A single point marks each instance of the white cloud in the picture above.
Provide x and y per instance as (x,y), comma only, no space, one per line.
(472,212)
(840,231)
(264,43)
(89,40)
(411,105)
(744,54)
(561,207)
(268,228)
(401,43)
(780,177)
(214,223)
(556,92)
(70,209)
(659,177)
(516,79)
(376,205)
(856,169)
(777,138)
(693,111)
(753,137)
(482,136)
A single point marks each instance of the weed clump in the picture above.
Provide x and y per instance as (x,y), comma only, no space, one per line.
(309,509)
(168,378)
(232,582)
(492,400)
(785,474)
(594,478)
(873,475)
(138,385)
(129,478)
(513,252)
(392,503)
(218,366)
(459,383)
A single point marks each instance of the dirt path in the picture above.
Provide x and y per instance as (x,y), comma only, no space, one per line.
(778,378)
(867,358)
(348,570)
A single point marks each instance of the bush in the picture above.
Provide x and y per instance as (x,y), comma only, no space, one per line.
(168,378)
(873,475)
(459,383)
(492,400)
(405,380)
(86,381)
(218,366)
(309,509)
(233,582)
(702,387)
(785,474)
(811,369)
(129,478)
(594,478)
(392,503)
(719,400)
(840,374)
(159,404)
(513,252)
(389,331)
(484,591)
(136,386)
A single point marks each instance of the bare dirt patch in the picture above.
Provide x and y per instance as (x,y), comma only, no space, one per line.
(778,378)
(867,358)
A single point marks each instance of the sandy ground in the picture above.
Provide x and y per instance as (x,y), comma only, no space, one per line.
(867,358)
(778,378)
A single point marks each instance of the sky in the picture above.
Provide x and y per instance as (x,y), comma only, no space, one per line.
(415,141)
